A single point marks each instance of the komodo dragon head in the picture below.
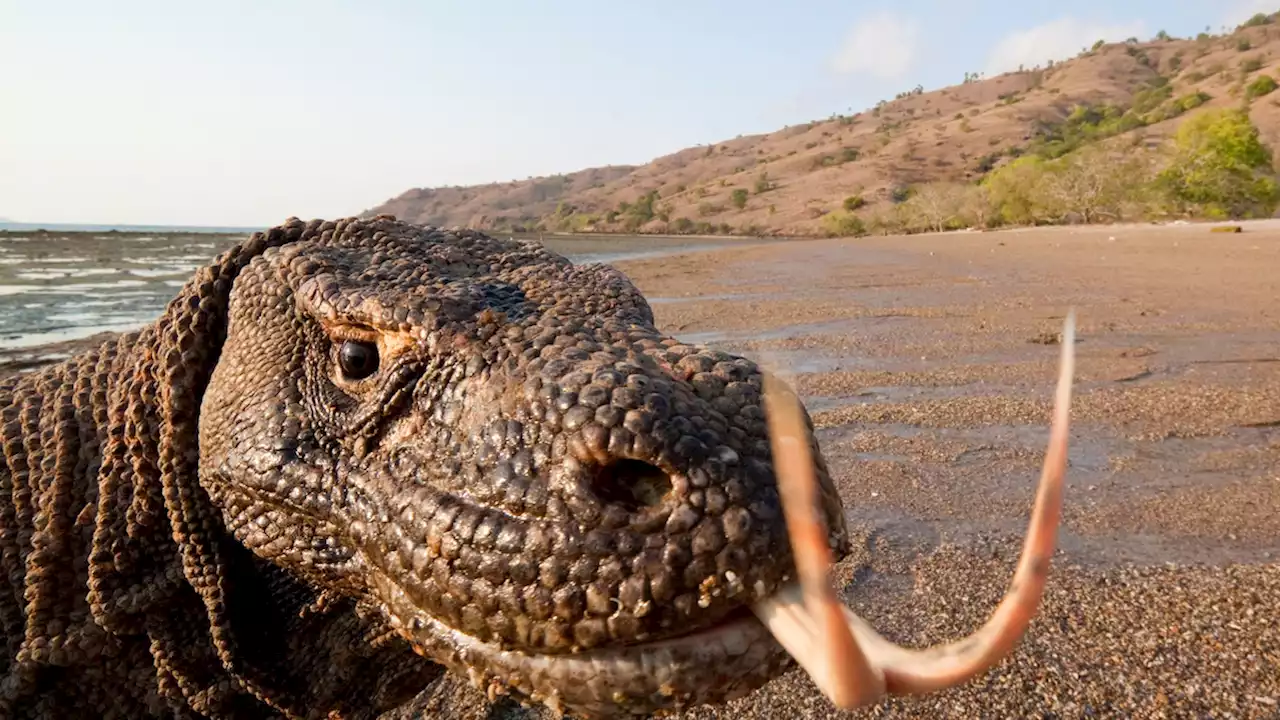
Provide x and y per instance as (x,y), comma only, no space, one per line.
(496,452)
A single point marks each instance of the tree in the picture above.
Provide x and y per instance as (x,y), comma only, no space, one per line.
(1015,190)
(1092,183)
(977,208)
(935,205)
(739,198)
(1220,168)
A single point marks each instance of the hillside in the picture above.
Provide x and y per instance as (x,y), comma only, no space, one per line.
(793,177)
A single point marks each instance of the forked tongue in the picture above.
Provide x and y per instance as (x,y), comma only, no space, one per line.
(847,659)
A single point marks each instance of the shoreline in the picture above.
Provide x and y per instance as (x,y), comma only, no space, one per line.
(136,231)
(25,356)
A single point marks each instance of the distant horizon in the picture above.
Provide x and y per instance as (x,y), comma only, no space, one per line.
(23,226)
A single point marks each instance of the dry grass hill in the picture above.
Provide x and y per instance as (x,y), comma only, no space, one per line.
(784,182)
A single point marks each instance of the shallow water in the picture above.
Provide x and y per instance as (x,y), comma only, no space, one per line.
(63,286)
(60,286)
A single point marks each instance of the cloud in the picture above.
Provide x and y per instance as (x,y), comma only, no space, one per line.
(882,45)
(1056,40)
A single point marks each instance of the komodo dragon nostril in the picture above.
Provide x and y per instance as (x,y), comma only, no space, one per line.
(632,484)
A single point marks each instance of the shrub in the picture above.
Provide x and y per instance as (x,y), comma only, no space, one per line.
(739,198)
(1256,21)
(853,202)
(1220,168)
(1193,100)
(843,224)
(1261,85)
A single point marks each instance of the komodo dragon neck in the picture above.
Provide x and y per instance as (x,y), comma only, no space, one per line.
(123,594)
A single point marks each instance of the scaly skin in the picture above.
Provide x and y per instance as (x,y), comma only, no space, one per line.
(350,454)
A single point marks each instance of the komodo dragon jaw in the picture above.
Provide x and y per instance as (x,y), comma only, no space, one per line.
(352,452)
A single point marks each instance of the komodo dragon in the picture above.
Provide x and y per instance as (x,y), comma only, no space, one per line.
(350,454)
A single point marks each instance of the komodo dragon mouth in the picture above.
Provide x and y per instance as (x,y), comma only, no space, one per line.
(803,620)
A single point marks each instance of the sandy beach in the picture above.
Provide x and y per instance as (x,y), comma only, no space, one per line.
(928,363)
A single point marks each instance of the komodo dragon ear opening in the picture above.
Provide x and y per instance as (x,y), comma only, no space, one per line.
(847,659)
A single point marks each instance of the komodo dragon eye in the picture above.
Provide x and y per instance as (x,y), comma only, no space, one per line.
(358,360)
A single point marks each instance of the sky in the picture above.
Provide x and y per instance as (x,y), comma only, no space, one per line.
(243,113)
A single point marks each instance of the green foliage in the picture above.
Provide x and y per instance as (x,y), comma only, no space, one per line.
(1138,54)
(848,154)
(1084,124)
(1087,124)
(1147,99)
(739,198)
(763,184)
(1249,65)
(843,224)
(1261,85)
(853,202)
(682,225)
(1226,229)
(1243,45)
(1257,20)
(1098,45)
(987,162)
(1193,100)
(1220,168)
(1014,188)
(642,211)
(1162,35)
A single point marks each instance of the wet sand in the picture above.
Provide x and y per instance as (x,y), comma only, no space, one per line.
(928,363)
